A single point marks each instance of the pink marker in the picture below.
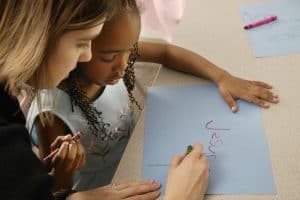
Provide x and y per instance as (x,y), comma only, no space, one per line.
(261,22)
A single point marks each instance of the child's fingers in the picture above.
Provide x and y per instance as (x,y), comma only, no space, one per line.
(267,95)
(59,158)
(70,161)
(75,158)
(229,100)
(59,140)
(258,102)
(264,94)
(48,158)
(80,156)
(262,84)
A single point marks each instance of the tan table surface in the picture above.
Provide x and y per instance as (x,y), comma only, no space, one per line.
(202,30)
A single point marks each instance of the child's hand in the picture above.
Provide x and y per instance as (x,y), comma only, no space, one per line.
(69,158)
(259,93)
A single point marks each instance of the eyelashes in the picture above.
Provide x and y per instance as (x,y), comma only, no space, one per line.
(108,59)
(83,46)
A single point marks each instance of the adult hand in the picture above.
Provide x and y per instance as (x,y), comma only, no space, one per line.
(188,176)
(130,190)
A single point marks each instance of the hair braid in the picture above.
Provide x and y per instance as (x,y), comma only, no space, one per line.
(129,77)
(78,97)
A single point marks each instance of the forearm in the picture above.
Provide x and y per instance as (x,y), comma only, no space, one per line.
(46,136)
(179,59)
(189,62)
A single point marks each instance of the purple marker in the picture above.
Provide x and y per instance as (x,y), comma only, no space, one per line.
(261,22)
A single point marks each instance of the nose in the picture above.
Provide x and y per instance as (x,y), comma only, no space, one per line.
(86,55)
(121,62)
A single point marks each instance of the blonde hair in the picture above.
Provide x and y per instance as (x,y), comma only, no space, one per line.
(23,37)
(31,28)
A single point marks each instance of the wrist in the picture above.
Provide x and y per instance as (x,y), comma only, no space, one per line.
(61,181)
(219,76)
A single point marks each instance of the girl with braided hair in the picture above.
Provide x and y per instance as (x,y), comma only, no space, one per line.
(94,100)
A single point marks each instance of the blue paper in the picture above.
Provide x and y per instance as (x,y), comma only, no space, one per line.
(234,142)
(276,38)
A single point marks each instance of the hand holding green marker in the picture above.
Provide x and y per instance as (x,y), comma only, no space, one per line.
(188,149)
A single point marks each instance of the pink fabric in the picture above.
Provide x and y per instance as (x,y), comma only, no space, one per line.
(161,16)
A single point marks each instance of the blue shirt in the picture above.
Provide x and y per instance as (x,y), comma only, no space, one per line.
(104,151)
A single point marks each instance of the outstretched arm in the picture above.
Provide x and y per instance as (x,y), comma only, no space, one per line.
(230,87)
(179,59)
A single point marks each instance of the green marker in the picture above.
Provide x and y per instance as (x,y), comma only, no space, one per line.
(189,149)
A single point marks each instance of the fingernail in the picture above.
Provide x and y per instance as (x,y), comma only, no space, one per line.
(233,108)
(69,136)
(157,184)
(266,105)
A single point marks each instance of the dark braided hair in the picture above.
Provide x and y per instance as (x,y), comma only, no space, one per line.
(129,76)
(78,97)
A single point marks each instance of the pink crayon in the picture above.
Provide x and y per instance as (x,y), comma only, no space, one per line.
(261,22)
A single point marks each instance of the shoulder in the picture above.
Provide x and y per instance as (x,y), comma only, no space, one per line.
(54,101)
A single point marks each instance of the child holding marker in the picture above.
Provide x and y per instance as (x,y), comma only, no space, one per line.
(94,100)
